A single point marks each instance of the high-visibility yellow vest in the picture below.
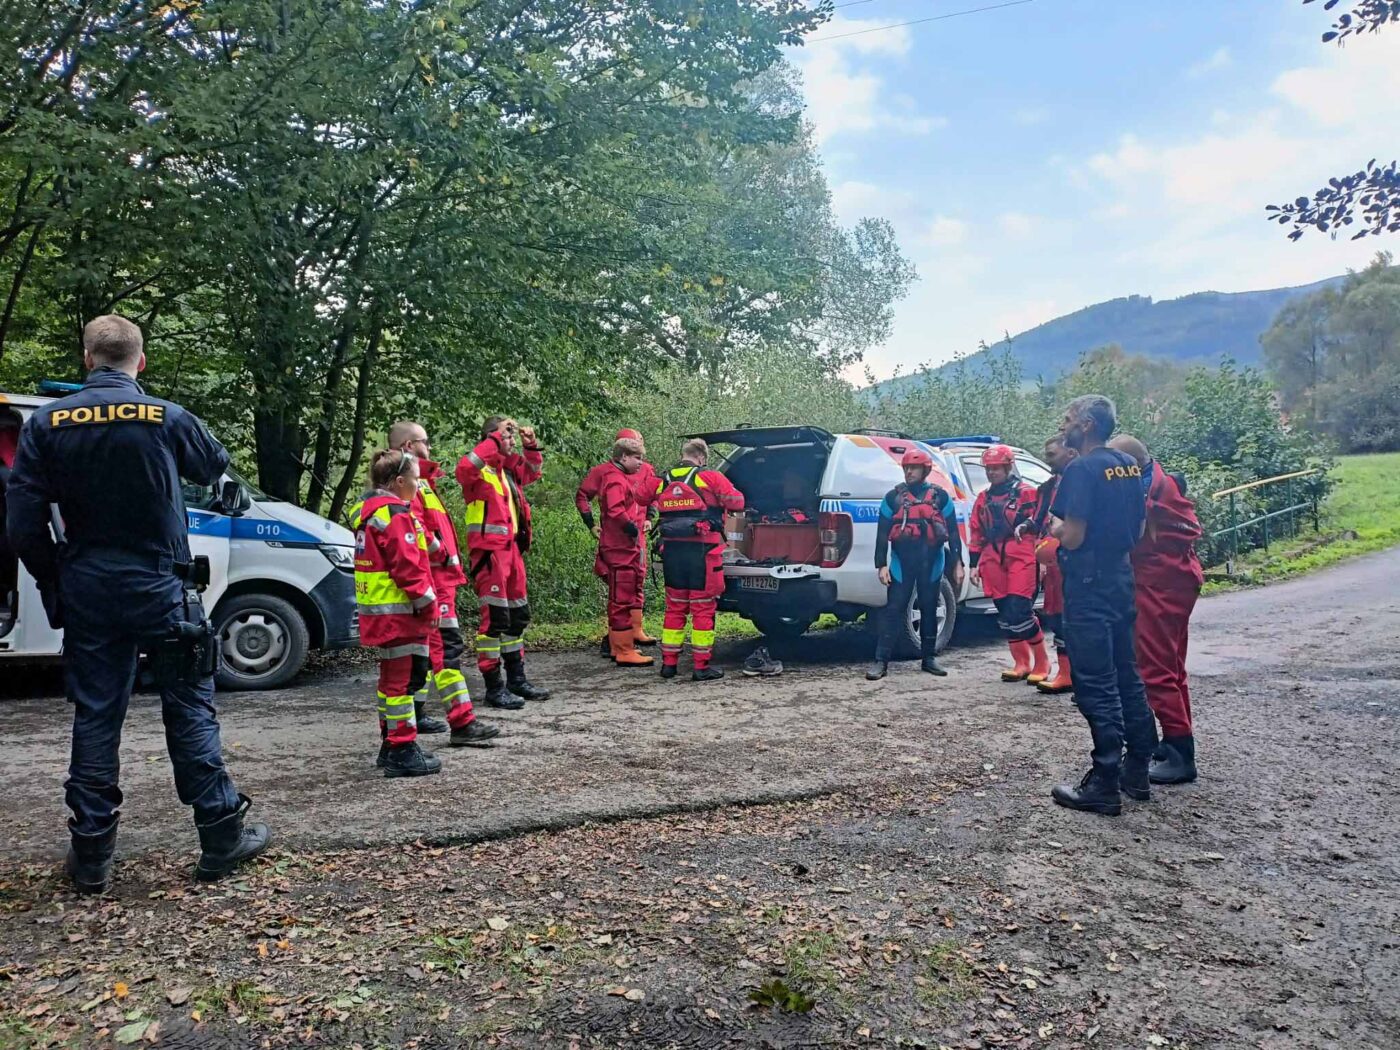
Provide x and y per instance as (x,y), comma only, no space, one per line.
(376,594)
(476,510)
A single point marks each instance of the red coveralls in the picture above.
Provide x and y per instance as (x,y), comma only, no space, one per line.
(1010,574)
(445,645)
(396,602)
(619,557)
(642,485)
(498,533)
(691,501)
(1168,580)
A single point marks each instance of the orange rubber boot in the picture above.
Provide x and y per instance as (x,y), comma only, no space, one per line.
(1040,661)
(639,633)
(624,651)
(1061,683)
(1021,653)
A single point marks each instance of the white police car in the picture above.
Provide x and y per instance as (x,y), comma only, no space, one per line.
(825,563)
(282,581)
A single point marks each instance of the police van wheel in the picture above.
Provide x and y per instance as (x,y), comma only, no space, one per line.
(947,619)
(263,642)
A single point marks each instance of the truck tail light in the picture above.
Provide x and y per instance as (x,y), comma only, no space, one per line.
(836,535)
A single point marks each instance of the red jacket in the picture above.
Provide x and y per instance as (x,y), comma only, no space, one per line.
(393,580)
(1007,565)
(1047,549)
(1165,558)
(644,481)
(618,506)
(444,552)
(497,512)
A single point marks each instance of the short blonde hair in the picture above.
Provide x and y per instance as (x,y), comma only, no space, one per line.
(112,340)
(696,447)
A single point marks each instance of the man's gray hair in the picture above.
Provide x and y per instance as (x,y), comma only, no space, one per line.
(112,340)
(1098,411)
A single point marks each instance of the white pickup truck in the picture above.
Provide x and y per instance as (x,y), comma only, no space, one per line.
(837,482)
(282,581)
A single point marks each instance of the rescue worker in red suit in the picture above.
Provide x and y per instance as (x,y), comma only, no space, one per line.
(1004,562)
(589,489)
(397,605)
(619,549)
(1169,580)
(691,502)
(493,476)
(445,644)
(1057,455)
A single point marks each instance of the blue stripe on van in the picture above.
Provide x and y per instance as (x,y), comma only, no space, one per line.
(268,530)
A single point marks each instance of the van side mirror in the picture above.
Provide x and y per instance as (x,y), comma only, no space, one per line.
(233,501)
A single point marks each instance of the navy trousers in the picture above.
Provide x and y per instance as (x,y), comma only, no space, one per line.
(112,604)
(1099,620)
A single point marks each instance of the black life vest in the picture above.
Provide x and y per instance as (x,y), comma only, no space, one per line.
(919,518)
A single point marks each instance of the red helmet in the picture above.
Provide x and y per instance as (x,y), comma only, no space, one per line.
(917,457)
(627,433)
(998,456)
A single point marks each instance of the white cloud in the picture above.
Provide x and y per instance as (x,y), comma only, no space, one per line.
(845,84)
(1025,316)
(1360,82)
(1217,60)
(945,231)
(1130,158)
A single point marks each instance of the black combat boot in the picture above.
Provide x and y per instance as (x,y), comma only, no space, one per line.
(877,669)
(1175,761)
(410,760)
(227,842)
(516,681)
(427,723)
(1132,778)
(496,695)
(1096,793)
(929,664)
(475,733)
(706,674)
(668,670)
(89,863)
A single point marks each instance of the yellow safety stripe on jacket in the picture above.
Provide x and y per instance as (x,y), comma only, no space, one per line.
(476,510)
(376,593)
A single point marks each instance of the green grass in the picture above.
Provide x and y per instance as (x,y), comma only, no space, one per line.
(579,634)
(1361,515)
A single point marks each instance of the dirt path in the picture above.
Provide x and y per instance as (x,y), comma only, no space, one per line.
(926,892)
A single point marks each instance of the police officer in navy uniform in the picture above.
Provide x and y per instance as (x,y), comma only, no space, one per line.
(1097,516)
(110,457)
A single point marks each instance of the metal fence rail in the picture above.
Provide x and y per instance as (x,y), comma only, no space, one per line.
(1292,512)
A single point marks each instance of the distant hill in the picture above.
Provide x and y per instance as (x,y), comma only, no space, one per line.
(1195,328)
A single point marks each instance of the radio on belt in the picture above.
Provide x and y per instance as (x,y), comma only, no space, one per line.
(187,653)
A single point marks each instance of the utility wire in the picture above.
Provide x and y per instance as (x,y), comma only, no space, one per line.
(917,21)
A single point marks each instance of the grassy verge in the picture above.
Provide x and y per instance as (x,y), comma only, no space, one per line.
(1362,515)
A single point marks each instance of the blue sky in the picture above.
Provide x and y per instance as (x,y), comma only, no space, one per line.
(1040,158)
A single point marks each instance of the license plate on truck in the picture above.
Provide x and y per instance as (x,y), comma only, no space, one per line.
(758,583)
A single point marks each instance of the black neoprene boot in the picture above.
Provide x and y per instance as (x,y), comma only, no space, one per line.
(496,695)
(1095,793)
(1175,761)
(427,723)
(475,733)
(878,668)
(706,674)
(516,681)
(668,670)
(1132,778)
(227,842)
(929,664)
(410,760)
(89,863)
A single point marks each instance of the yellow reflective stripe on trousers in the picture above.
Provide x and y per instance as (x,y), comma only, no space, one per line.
(511,644)
(398,709)
(486,643)
(673,636)
(702,639)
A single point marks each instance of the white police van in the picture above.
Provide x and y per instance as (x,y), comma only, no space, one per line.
(282,580)
(825,490)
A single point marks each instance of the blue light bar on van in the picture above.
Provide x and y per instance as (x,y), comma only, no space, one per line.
(965,439)
(54,388)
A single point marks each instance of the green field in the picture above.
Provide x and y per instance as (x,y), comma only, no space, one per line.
(1361,515)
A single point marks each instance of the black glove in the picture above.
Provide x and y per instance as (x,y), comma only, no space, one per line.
(53,605)
(587,516)
(630,528)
